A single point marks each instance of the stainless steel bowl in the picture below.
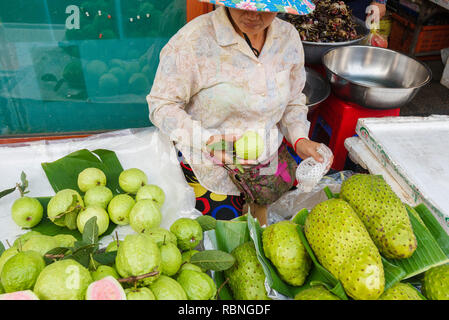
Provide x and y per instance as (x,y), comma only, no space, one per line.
(374,77)
(316,89)
(313,51)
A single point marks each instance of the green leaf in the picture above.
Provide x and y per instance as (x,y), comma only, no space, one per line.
(207,222)
(427,255)
(300,217)
(434,227)
(328,193)
(215,260)
(90,232)
(272,277)
(6,192)
(224,293)
(393,273)
(2,248)
(231,234)
(105,258)
(63,173)
(55,252)
(82,254)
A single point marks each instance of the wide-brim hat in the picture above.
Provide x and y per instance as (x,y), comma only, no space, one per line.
(299,7)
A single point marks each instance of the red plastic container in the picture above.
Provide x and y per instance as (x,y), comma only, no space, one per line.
(338,119)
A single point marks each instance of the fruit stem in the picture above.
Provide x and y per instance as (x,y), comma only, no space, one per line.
(9,243)
(116,237)
(137,278)
(221,287)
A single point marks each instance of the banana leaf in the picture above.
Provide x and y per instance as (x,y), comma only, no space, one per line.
(63,173)
(317,275)
(428,253)
(434,227)
(229,235)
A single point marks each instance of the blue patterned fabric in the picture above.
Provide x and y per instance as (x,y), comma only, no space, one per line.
(299,7)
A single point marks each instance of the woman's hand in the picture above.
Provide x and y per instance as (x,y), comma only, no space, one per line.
(224,156)
(306,148)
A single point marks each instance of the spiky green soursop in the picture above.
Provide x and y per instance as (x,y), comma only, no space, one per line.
(316,293)
(282,245)
(383,214)
(343,246)
(137,255)
(400,291)
(436,283)
(246,276)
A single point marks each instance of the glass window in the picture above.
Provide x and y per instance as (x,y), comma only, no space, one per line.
(71,66)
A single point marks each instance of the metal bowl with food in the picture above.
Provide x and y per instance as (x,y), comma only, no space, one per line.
(374,77)
(316,89)
(313,51)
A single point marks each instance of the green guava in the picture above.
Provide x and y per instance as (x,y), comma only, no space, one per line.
(250,146)
(120,207)
(188,232)
(19,295)
(98,196)
(27,212)
(40,243)
(107,288)
(6,255)
(63,280)
(2,290)
(197,285)
(171,259)
(166,288)
(65,240)
(138,83)
(104,271)
(60,203)
(95,69)
(144,215)
(24,238)
(139,294)
(21,271)
(108,85)
(186,255)
(138,255)
(113,246)
(161,235)
(189,266)
(89,212)
(91,177)
(151,192)
(130,180)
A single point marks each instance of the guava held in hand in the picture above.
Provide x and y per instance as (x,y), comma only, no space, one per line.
(131,180)
(91,177)
(27,212)
(250,146)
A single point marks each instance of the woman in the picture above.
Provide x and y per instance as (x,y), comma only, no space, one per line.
(236,69)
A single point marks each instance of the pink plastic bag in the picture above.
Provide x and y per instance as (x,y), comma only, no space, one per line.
(375,39)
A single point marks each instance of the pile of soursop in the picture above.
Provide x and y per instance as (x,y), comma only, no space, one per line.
(347,235)
(151,264)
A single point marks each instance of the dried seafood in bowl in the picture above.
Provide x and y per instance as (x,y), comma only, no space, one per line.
(330,22)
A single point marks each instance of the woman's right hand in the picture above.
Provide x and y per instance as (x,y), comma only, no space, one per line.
(225,156)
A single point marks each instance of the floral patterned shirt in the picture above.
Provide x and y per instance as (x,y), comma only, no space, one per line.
(210,82)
